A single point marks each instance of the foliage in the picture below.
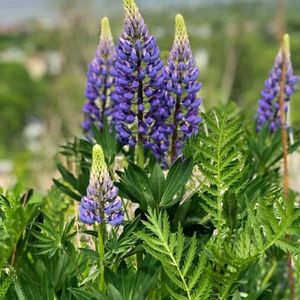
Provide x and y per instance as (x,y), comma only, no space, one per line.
(179,258)
(213,221)
(152,189)
(15,214)
(213,225)
(220,155)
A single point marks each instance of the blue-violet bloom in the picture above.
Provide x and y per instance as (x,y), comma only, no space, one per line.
(100,82)
(268,112)
(139,85)
(101,203)
(182,85)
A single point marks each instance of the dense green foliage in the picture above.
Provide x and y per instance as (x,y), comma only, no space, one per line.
(214,225)
(203,229)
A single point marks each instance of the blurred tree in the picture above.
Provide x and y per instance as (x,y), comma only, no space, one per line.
(19,96)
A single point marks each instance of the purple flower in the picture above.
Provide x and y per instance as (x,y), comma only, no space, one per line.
(182,86)
(139,84)
(100,80)
(101,202)
(268,112)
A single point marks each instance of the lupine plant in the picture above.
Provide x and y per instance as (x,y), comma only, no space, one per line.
(100,79)
(268,111)
(139,86)
(181,75)
(158,200)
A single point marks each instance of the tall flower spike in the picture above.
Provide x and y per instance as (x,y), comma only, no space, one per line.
(101,202)
(100,81)
(268,112)
(138,83)
(182,86)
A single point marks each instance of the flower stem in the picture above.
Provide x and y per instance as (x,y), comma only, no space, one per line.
(101,256)
(284,142)
(175,132)
(140,155)
(140,101)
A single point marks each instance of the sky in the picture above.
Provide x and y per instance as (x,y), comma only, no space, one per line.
(16,11)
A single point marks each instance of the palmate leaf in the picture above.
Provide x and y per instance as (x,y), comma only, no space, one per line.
(93,294)
(150,188)
(46,277)
(219,152)
(5,281)
(119,246)
(51,239)
(186,270)
(130,284)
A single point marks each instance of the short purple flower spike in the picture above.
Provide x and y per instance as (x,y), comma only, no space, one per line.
(100,81)
(139,83)
(268,112)
(182,86)
(101,202)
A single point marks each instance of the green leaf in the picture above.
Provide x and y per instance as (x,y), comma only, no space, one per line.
(219,152)
(230,209)
(183,268)
(157,183)
(82,294)
(67,176)
(135,185)
(67,190)
(177,177)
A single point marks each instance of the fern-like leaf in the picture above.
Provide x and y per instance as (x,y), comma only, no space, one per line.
(15,214)
(178,257)
(219,152)
(266,226)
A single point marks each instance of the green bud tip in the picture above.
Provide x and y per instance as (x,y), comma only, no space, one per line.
(180,29)
(131,10)
(98,160)
(286,45)
(105,29)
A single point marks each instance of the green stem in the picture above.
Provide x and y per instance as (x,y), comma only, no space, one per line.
(125,208)
(101,257)
(140,162)
(140,155)
(269,275)
(74,263)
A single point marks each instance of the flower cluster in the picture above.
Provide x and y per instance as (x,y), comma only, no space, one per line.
(101,202)
(268,111)
(182,85)
(100,81)
(155,105)
(139,82)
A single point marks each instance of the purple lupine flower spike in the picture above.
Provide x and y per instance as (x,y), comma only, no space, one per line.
(182,86)
(139,82)
(101,202)
(268,112)
(100,80)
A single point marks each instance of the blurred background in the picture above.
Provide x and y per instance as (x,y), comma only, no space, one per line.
(45,46)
